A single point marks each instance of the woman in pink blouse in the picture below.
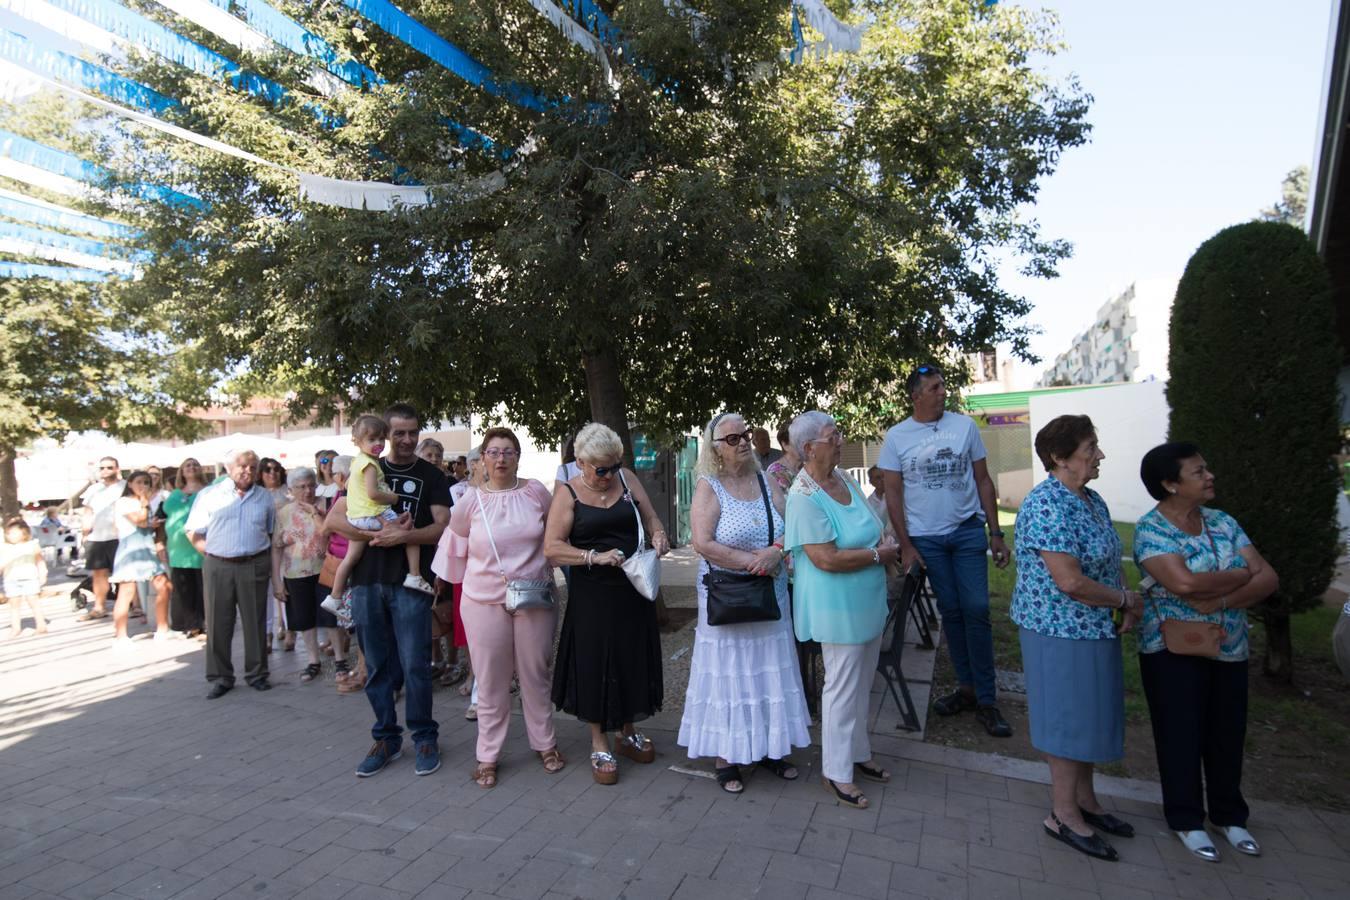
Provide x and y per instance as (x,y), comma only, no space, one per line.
(501,642)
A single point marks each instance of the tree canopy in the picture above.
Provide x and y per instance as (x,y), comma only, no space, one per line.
(722,229)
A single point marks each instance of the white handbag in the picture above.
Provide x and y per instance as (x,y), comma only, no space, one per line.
(521,593)
(643,568)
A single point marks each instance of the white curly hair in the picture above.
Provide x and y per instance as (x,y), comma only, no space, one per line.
(709,463)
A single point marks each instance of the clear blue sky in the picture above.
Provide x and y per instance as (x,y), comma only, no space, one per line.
(1201,107)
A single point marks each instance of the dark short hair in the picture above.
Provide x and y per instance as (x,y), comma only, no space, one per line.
(1061,437)
(499,432)
(783,439)
(139,473)
(1163,463)
(269,461)
(927,370)
(402,411)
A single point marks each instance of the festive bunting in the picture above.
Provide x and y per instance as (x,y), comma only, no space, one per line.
(36,58)
(66,165)
(63,23)
(28,209)
(575,33)
(55,273)
(47,238)
(838,36)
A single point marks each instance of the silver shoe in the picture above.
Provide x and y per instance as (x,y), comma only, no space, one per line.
(1199,843)
(1241,839)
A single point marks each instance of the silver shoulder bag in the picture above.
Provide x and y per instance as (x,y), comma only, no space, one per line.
(521,593)
(643,568)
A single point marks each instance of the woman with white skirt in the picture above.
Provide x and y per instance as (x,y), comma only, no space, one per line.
(744,704)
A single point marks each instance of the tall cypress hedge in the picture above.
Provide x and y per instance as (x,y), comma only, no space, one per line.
(1253,365)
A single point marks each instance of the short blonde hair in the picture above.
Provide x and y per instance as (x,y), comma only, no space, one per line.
(709,463)
(596,441)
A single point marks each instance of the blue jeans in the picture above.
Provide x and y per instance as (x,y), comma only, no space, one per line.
(958,571)
(393,625)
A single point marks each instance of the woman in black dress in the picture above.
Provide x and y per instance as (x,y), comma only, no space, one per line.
(608,670)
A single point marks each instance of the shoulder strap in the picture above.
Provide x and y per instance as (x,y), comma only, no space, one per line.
(768,510)
(571,491)
(487,526)
(642,538)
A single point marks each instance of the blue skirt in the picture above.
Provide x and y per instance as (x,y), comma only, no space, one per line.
(1075,697)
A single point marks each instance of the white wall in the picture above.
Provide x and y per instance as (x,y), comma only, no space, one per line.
(1131,419)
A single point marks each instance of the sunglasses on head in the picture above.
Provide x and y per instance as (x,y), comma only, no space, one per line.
(733,439)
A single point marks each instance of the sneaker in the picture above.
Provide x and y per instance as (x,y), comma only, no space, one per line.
(381,754)
(957,701)
(415,582)
(428,758)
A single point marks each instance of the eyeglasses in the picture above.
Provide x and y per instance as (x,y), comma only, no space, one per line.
(271,469)
(501,453)
(325,460)
(835,438)
(734,439)
(606,471)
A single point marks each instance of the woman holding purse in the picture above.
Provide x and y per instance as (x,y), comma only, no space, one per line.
(744,703)
(608,669)
(1202,575)
(507,601)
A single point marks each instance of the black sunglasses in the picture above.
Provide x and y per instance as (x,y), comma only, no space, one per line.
(606,471)
(734,439)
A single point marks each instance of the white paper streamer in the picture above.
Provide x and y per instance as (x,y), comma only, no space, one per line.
(838,36)
(237,33)
(58,184)
(71,257)
(67,25)
(574,32)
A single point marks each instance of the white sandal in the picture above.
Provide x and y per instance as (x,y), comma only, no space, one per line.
(1200,844)
(1241,839)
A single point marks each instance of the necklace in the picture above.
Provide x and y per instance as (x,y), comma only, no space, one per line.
(603,495)
(493,490)
(398,468)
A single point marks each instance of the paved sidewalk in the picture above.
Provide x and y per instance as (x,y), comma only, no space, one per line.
(119,779)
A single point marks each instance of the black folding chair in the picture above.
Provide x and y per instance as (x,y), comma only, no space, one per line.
(919,614)
(893,649)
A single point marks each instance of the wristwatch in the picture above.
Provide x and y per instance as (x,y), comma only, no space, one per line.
(993,533)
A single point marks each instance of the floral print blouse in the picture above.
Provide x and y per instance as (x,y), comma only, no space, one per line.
(1055,519)
(301,526)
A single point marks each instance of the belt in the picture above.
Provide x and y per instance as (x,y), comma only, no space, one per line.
(238,559)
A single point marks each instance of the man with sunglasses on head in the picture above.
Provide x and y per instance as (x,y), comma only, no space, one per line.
(940,498)
(100,530)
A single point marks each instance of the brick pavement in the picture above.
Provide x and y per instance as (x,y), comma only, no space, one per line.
(120,780)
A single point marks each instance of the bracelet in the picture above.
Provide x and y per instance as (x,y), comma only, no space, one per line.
(876,557)
(590,557)
(1122,599)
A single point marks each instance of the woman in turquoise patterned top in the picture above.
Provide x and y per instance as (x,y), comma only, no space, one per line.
(839,598)
(1200,567)
(1068,583)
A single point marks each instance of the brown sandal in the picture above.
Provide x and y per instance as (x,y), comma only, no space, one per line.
(601,758)
(636,746)
(485,775)
(553,761)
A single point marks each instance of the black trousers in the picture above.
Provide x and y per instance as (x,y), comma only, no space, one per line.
(1199,712)
(187,606)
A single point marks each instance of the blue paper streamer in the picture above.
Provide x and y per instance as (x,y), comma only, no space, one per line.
(58,162)
(66,220)
(436,48)
(62,241)
(63,67)
(54,273)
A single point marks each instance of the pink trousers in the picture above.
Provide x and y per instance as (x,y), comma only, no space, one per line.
(501,643)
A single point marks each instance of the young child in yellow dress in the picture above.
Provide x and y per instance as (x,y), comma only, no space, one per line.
(369,503)
(25,572)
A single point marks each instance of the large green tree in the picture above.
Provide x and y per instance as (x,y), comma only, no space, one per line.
(1253,362)
(723,228)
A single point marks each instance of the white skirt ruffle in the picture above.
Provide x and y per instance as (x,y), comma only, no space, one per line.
(745,700)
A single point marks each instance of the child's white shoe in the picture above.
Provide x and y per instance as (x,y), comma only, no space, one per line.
(415,582)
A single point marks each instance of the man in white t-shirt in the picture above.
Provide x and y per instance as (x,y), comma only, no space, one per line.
(100,530)
(939,497)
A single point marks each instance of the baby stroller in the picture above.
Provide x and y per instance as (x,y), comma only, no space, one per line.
(83,593)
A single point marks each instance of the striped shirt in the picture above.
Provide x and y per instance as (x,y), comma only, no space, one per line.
(233,525)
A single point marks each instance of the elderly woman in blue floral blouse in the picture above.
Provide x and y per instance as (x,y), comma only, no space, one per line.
(1069,581)
(1201,568)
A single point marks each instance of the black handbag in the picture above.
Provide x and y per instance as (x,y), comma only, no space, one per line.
(736,597)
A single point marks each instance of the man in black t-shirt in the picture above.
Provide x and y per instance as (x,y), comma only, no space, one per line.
(393,623)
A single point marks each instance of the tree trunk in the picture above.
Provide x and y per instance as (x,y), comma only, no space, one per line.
(609,403)
(1279,662)
(9,483)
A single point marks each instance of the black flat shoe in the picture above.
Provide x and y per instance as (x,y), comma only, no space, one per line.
(261,685)
(1106,822)
(994,723)
(1091,845)
(218,690)
(726,775)
(780,767)
(871,774)
(957,701)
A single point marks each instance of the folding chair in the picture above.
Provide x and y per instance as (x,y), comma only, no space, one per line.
(893,649)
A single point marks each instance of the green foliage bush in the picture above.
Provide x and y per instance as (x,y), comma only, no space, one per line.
(1253,365)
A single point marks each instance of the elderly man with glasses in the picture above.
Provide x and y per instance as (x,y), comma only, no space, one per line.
(100,530)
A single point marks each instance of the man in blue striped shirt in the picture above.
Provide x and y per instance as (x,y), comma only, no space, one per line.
(231,525)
